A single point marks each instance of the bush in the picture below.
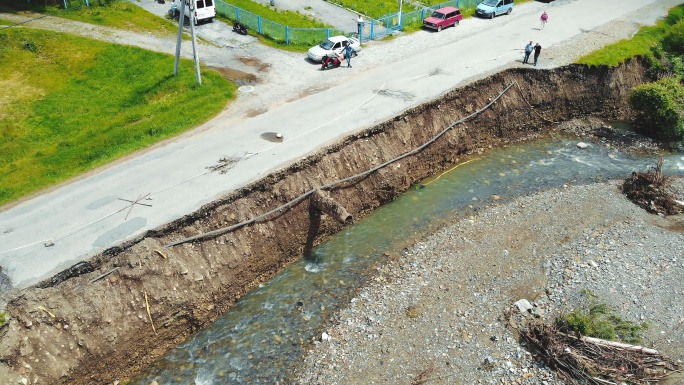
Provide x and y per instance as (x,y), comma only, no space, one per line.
(675,15)
(673,41)
(659,108)
(3,319)
(600,321)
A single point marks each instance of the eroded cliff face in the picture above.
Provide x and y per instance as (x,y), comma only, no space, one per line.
(83,332)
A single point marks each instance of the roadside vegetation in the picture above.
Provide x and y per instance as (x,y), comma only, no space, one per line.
(660,104)
(375,9)
(116,14)
(72,104)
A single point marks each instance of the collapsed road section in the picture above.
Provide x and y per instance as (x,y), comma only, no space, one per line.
(107,320)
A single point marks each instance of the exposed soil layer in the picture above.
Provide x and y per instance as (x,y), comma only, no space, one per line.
(90,329)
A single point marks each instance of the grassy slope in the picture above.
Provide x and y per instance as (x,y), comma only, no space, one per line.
(71,104)
(640,45)
(123,15)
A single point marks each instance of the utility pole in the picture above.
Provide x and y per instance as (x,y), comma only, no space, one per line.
(400,15)
(179,40)
(195,53)
(181,21)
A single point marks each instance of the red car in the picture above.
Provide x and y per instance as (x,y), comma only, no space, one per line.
(442,18)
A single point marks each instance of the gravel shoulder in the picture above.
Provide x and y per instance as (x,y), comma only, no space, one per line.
(440,307)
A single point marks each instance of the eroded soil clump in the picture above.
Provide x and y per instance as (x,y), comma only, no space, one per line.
(81,331)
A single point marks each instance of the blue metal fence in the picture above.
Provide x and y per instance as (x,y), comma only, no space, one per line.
(273,30)
(372,29)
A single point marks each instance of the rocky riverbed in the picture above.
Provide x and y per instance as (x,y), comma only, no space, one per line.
(439,311)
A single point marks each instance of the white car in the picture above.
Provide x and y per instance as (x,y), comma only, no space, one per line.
(334,44)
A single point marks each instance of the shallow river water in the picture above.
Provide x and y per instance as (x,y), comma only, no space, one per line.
(265,333)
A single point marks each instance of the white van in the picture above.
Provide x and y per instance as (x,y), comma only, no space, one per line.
(202,10)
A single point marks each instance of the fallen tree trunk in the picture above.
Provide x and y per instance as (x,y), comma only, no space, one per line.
(330,207)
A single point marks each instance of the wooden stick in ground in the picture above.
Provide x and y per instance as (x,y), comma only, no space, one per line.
(147,305)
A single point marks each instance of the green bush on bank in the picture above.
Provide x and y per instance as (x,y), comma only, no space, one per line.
(660,108)
(659,105)
(673,41)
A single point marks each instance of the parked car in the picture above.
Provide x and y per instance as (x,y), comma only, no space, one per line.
(442,18)
(202,10)
(491,8)
(334,44)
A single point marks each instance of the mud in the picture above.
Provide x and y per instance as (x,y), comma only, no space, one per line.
(83,332)
(252,62)
(236,76)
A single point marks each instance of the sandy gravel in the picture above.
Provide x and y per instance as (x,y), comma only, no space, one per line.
(440,307)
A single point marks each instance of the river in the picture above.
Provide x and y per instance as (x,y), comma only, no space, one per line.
(267,331)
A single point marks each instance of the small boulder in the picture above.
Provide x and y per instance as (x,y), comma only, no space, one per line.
(523,305)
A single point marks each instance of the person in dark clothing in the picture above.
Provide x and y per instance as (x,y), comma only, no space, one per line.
(348,51)
(537,51)
(528,50)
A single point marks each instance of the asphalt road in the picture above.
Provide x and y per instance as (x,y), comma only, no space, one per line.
(93,213)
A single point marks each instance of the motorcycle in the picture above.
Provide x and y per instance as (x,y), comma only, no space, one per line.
(331,60)
(240,28)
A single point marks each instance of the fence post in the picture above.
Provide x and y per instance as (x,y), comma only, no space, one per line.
(327,32)
(287,35)
(237,13)
(372,31)
(259,24)
(422,14)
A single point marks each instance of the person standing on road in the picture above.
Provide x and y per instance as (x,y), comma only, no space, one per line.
(359,25)
(348,50)
(537,51)
(544,18)
(528,50)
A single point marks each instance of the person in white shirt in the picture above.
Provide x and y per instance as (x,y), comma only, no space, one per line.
(359,24)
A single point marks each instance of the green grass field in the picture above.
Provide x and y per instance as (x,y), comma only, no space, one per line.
(273,32)
(376,8)
(122,15)
(71,104)
(288,18)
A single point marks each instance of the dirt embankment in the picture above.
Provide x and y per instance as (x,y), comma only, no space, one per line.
(87,331)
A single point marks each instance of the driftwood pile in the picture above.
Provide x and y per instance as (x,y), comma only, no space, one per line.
(650,190)
(582,360)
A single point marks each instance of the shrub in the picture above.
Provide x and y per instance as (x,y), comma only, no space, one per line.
(3,319)
(673,41)
(675,15)
(600,321)
(659,108)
